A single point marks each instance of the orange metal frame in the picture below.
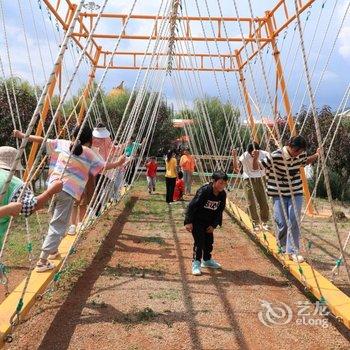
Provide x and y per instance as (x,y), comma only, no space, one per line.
(262,31)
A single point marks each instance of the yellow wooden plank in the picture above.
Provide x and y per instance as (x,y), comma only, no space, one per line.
(36,285)
(337,301)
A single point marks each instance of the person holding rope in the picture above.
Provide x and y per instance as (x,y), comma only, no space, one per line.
(103,145)
(13,203)
(285,186)
(74,164)
(203,215)
(254,185)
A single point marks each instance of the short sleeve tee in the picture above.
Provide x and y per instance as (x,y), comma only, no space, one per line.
(151,169)
(131,149)
(187,163)
(283,173)
(78,169)
(14,186)
(107,150)
(247,163)
(170,167)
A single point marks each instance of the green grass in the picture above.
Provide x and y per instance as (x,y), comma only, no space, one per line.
(136,316)
(16,252)
(134,271)
(153,239)
(170,294)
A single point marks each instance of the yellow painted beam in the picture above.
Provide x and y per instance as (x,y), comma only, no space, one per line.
(337,301)
(37,285)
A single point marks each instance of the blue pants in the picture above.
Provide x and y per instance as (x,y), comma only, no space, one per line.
(288,229)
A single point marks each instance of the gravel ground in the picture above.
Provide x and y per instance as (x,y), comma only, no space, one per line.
(133,290)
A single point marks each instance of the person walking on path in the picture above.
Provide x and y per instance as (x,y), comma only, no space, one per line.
(254,185)
(203,215)
(187,165)
(151,174)
(170,176)
(285,186)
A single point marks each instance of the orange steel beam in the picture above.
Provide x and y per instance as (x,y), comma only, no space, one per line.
(187,19)
(228,63)
(178,38)
(281,6)
(184,18)
(40,127)
(260,33)
(174,68)
(246,98)
(65,22)
(286,103)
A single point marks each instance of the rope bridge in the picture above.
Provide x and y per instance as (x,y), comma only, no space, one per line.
(252,71)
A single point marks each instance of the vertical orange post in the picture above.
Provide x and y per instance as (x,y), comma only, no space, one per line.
(246,97)
(88,85)
(43,116)
(286,103)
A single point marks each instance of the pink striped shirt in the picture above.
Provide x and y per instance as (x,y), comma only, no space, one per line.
(78,168)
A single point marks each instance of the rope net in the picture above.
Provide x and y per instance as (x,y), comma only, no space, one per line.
(238,82)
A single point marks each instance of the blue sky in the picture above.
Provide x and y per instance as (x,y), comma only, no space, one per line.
(43,37)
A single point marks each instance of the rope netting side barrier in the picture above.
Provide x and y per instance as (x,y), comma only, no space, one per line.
(255,153)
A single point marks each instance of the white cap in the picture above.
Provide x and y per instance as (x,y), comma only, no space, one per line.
(100,133)
(7,158)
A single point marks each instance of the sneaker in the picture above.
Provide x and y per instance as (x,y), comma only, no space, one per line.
(196,268)
(42,267)
(149,191)
(54,256)
(297,258)
(265,226)
(71,230)
(256,227)
(212,264)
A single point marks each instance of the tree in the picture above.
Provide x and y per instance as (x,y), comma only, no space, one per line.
(26,101)
(338,162)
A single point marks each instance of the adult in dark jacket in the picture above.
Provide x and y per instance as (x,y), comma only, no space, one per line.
(204,214)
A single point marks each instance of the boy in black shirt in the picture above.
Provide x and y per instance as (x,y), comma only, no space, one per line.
(204,214)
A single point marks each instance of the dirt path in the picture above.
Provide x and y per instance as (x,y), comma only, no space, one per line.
(138,293)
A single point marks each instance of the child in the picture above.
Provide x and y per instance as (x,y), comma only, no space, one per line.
(187,164)
(284,185)
(254,185)
(103,145)
(170,176)
(179,187)
(76,171)
(28,202)
(151,174)
(204,214)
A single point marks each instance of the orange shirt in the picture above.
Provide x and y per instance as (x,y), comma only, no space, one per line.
(187,163)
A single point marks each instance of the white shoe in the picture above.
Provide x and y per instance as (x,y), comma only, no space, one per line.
(256,228)
(265,226)
(54,256)
(298,258)
(42,267)
(71,230)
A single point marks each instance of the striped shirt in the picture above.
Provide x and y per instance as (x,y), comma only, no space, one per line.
(78,169)
(279,167)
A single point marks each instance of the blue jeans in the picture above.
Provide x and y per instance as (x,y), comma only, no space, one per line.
(288,229)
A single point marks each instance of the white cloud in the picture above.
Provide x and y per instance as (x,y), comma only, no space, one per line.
(344,40)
